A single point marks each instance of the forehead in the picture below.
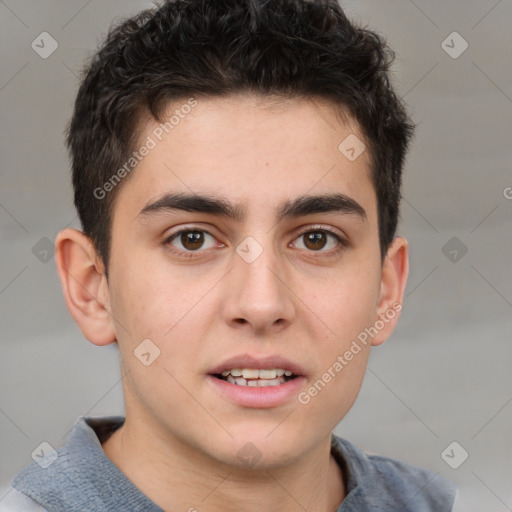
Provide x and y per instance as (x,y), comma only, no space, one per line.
(258,151)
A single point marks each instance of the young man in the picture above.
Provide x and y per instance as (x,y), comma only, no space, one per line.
(237,170)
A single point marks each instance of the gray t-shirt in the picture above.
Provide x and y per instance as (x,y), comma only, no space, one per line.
(80,477)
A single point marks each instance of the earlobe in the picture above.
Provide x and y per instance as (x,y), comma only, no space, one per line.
(85,287)
(395,271)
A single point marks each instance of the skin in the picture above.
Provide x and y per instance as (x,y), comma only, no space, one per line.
(180,441)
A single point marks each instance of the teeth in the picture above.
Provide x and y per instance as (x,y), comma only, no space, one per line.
(256,378)
(256,383)
(267,374)
(251,373)
(272,382)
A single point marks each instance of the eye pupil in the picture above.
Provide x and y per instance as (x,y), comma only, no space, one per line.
(192,239)
(317,240)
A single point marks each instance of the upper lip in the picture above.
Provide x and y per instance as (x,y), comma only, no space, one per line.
(257,363)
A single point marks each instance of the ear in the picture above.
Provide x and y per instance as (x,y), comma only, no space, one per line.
(85,286)
(395,270)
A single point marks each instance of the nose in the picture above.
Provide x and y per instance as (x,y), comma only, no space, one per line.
(258,295)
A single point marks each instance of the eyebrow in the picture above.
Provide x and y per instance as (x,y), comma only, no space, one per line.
(291,209)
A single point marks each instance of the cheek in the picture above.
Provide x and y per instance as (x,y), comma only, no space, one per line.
(162,307)
(347,303)
(342,358)
(164,304)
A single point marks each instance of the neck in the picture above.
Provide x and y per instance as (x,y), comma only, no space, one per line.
(175,476)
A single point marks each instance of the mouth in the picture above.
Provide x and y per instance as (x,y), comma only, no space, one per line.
(257,381)
(257,378)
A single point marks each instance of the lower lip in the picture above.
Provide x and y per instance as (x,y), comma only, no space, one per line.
(247,396)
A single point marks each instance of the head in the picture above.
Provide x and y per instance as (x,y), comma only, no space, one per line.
(270,131)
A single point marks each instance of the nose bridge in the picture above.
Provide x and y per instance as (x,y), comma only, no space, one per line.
(256,292)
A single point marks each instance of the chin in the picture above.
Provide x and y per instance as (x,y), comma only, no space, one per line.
(257,450)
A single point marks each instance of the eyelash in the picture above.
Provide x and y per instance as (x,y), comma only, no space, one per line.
(343,244)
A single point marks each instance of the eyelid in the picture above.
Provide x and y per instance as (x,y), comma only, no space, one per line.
(323,227)
(192,227)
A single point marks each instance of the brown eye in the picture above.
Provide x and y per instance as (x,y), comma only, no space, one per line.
(319,240)
(315,241)
(191,240)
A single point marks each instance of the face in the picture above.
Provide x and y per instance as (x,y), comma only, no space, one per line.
(264,281)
